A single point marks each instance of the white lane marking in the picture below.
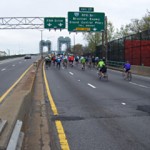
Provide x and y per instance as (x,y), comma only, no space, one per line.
(139,85)
(91,85)
(136,75)
(71,73)
(13,65)
(3,69)
(123,103)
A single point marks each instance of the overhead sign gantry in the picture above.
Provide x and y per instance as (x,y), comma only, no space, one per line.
(85,20)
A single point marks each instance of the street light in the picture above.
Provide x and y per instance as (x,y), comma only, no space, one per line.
(74,42)
(8,51)
(106,40)
(41,34)
(41,46)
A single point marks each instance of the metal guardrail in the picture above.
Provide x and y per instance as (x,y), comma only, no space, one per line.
(16,138)
(12,56)
(115,64)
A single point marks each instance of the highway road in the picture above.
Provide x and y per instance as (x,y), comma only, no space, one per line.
(98,114)
(11,70)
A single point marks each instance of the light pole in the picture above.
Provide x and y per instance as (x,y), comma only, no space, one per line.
(41,35)
(74,43)
(106,40)
(8,51)
(41,44)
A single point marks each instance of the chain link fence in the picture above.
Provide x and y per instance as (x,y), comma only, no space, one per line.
(134,48)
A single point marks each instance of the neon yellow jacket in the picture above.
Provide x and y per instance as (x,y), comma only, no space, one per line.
(101,64)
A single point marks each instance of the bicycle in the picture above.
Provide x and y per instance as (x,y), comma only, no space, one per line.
(102,75)
(65,64)
(83,66)
(90,65)
(127,75)
(58,65)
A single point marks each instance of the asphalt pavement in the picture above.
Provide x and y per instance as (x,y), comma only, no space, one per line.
(99,114)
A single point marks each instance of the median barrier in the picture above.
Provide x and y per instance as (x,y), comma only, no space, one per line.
(16,105)
(140,70)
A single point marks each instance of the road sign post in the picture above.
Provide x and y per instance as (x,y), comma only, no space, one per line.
(54,23)
(86,21)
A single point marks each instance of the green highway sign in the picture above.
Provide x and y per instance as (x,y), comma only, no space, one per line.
(88,9)
(85,21)
(54,23)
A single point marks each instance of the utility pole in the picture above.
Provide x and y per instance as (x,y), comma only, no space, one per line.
(8,52)
(41,44)
(103,49)
(41,35)
(74,43)
(106,40)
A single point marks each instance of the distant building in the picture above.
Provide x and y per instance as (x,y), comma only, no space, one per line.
(3,53)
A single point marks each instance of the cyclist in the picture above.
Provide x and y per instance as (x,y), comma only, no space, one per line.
(65,61)
(93,61)
(71,60)
(77,60)
(54,59)
(47,61)
(127,67)
(89,61)
(58,60)
(83,61)
(96,60)
(102,67)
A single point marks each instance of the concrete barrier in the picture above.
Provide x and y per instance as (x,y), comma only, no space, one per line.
(139,70)
(16,105)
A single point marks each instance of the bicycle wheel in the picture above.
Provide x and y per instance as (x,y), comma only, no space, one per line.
(106,76)
(129,76)
(124,75)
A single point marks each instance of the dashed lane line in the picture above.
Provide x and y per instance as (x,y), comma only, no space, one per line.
(123,103)
(91,85)
(3,69)
(143,86)
(71,73)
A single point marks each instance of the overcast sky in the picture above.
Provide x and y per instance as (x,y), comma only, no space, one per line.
(119,12)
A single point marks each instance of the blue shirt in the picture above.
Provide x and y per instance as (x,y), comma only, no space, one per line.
(127,66)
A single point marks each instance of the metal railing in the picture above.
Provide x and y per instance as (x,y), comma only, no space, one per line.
(116,64)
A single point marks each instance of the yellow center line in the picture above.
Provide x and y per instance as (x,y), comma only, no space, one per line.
(7,92)
(60,130)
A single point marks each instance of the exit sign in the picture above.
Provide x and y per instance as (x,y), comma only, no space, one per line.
(88,9)
(54,23)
